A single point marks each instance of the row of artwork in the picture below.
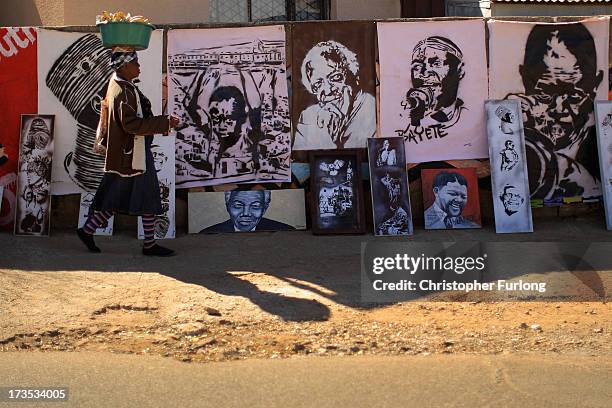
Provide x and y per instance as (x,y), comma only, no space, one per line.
(451,198)
(229,87)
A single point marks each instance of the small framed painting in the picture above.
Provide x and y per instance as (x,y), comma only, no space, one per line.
(336,192)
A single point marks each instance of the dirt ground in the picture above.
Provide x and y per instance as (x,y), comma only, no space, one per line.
(272,295)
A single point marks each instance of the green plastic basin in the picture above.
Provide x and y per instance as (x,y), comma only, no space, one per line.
(125,34)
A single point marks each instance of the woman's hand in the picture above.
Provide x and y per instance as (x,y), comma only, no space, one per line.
(174,121)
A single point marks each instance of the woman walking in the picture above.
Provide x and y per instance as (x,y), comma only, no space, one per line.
(129,185)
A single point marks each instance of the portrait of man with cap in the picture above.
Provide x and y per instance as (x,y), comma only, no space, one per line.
(126,129)
(436,72)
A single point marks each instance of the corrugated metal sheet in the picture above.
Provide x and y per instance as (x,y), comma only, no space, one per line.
(553,1)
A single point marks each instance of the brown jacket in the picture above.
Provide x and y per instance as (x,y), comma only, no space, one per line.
(123,124)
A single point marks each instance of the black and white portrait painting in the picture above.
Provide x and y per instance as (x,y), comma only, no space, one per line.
(334,96)
(163,156)
(432,87)
(603,115)
(84,206)
(32,215)
(389,183)
(229,88)
(555,71)
(246,211)
(73,74)
(337,192)
(509,182)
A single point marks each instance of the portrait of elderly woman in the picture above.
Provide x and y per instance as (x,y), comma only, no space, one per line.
(344,114)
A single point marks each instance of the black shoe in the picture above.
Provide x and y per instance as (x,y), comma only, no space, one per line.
(88,240)
(157,250)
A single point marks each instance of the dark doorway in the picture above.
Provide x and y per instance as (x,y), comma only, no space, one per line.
(422,8)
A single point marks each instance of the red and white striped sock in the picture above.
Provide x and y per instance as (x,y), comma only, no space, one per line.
(148,225)
(96,220)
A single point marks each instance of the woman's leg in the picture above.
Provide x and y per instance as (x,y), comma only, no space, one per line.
(149,247)
(148,225)
(96,220)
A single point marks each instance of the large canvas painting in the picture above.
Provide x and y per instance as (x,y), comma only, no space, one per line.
(85,204)
(389,183)
(18,88)
(556,71)
(163,156)
(433,87)
(510,186)
(32,215)
(73,73)
(246,211)
(603,115)
(450,198)
(337,193)
(334,103)
(229,88)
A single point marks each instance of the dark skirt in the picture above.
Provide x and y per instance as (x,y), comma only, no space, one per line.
(137,195)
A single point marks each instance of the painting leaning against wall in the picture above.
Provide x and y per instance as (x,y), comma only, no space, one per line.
(450,198)
(336,192)
(32,215)
(389,183)
(509,182)
(603,115)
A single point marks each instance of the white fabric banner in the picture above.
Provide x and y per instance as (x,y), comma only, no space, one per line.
(556,71)
(73,72)
(433,84)
(229,88)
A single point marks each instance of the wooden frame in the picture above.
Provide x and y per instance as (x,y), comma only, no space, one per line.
(335,173)
(389,187)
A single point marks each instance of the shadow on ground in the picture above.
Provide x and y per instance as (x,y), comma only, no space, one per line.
(326,266)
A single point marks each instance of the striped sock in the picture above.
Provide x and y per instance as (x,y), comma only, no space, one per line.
(148,225)
(96,220)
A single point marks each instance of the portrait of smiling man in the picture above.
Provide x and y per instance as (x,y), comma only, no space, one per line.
(451,197)
(246,210)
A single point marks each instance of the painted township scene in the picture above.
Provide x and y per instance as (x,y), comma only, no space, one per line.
(313,138)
